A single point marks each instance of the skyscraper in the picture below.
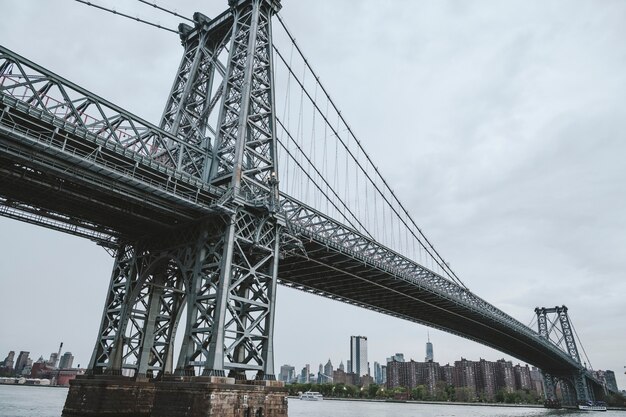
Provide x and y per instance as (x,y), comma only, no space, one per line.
(287,373)
(9,360)
(22,361)
(429,350)
(66,360)
(358,355)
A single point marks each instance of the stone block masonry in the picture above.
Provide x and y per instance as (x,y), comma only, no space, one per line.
(108,396)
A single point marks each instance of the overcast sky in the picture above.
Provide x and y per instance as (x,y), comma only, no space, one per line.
(500,124)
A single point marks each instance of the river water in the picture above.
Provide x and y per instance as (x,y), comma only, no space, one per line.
(20,401)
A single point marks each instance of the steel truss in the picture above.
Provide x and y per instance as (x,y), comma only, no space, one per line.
(553,324)
(226,278)
(212,158)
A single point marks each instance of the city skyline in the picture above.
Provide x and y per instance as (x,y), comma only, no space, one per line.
(521,136)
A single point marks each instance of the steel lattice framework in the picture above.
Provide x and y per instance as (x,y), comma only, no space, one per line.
(192,211)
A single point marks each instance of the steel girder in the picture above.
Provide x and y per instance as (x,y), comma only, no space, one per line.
(53,132)
(553,324)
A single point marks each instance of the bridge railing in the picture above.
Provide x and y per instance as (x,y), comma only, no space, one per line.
(317,226)
(60,98)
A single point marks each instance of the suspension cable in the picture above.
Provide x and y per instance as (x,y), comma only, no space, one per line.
(137,19)
(156,6)
(441,262)
(581,344)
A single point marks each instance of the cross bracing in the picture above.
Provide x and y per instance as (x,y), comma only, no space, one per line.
(207,178)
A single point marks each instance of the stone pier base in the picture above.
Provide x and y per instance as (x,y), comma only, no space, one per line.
(219,396)
(109,396)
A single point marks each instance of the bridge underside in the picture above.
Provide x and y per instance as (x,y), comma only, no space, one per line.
(53,177)
(338,276)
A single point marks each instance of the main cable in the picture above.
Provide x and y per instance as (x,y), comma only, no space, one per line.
(137,19)
(156,6)
(441,262)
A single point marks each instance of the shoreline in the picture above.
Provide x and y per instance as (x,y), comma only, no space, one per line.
(502,405)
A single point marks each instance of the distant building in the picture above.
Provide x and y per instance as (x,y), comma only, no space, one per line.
(305,374)
(358,355)
(465,377)
(9,360)
(522,377)
(611,382)
(66,360)
(536,379)
(54,359)
(486,379)
(398,357)
(347,378)
(505,377)
(341,367)
(429,350)
(349,362)
(378,374)
(287,373)
(22,361)
(447,374)
(328,370)
(383,371)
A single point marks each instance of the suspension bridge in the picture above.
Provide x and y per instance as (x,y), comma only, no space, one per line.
(252,178)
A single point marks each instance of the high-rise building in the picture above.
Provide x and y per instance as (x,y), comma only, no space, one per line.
(486,379)
(505,376)
(465,376)
(611,382)
(341,367)
(358,355)
(398,357)
(349,362)
(287,373)
(9,360)
(378,374)
(522,377)
(22,361)
(429,350)
(66,360)
(328,369)
(536,379)
(383,371)
(54,359)
(305,374)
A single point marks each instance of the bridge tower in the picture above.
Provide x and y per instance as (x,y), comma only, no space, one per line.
(221,270)
(554,325)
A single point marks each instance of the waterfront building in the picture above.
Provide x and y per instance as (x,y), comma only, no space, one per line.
(486,379)
(54,359)
(358,355)
(287,373)
(505,377)
(347,378)
(22,361)
(536,379)
(611,382)
(522,377)
(465,376)
(9,360)
(66,360)
(447,374)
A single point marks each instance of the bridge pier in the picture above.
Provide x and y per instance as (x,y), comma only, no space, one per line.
(174,396)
